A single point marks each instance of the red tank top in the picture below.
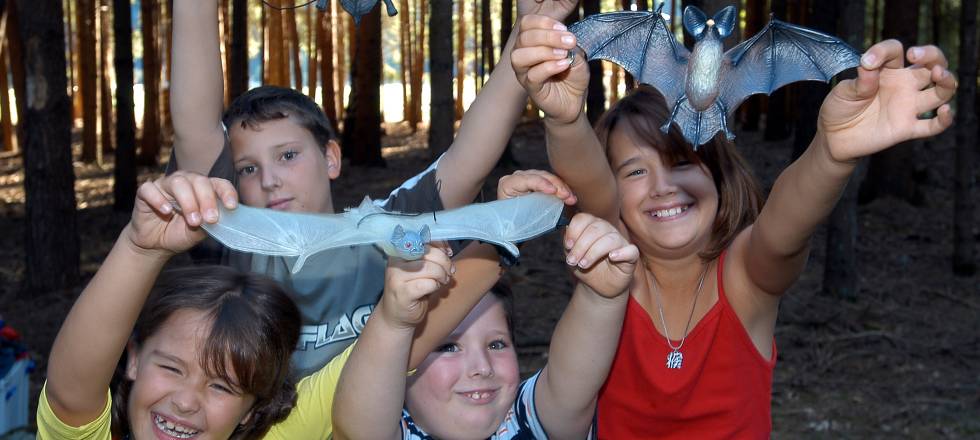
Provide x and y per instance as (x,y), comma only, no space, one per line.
(723,390)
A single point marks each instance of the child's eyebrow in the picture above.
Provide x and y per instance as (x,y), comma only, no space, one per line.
(167,356)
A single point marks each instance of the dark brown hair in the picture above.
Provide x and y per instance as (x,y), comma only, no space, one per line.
(739,196)
(268,103)
(254,327)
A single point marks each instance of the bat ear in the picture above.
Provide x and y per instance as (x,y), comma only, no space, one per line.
(695,22)
(725,21)
(426,236)
(398,233)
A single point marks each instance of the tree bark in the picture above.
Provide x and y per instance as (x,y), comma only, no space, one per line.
(51,242)
(87,78)
(105,80)
(486,38)
(293,43)
(274,45)
(16,52)
(822,16)
(895,171)
(150,142)
(777,125)
(965,182)
(841,267)
(404,52)
(441,109)
(340,19)
(124,172)
(314,28)
(595,103)
(325,47)
(238,60)
(755,18)
(224,35)
(362,127)
(6,121)
(460,57)
(419,64)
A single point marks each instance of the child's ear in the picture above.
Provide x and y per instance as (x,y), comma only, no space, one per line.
(132,360)
(332,153)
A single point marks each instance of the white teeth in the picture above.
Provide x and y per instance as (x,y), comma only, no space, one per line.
(670,212)
(172,429)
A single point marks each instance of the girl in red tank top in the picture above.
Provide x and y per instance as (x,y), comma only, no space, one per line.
(696,353)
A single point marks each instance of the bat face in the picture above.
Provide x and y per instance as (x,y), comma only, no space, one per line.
(409,245)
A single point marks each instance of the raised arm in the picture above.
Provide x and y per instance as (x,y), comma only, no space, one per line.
(558,88)
(487,125)
(371,391)
(80,366)
(586,337)
(196,94)
(862,116)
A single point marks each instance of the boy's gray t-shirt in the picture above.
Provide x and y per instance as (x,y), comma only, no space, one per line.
(336,290)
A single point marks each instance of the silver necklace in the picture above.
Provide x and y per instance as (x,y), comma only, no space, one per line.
(675,359)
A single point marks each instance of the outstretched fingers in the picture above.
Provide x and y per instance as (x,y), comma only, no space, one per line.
(884,55)
(589,240)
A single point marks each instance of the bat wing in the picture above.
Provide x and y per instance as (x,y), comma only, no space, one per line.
(502,222)
(286,234)
(641,43)
(782,53)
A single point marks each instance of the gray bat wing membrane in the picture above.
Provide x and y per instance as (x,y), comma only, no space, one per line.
(641,43)
(301,235)
(780,54)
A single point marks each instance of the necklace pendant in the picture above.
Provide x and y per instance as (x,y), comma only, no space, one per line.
(675,360)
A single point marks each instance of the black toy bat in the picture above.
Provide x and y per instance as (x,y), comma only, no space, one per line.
(357,8)
(704,86)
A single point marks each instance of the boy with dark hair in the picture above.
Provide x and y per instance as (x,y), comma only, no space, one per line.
(277,145)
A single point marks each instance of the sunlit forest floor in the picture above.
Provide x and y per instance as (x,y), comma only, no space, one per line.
(902,361)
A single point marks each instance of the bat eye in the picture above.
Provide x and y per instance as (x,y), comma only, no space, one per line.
(408,245)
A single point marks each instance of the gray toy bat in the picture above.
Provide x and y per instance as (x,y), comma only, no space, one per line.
(357,8)
(704,86)
(288,234)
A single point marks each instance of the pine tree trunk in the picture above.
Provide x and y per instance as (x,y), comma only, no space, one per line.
(404,43)
(150,142)
(340,19)
(965,182)
(595,103)
(105,80)
(15,47)
(124,172)
(755,18)
(325,45)
(896,171)
(71,22)
(88,76)
(628,79)
(441,109)
(238,61)
(6,120)
(840,277)
(777,124)
(477,53)
(293,41)
(313,27)
(362,127)
(460,57)
(420,28)
(224,35)
(274,45)
(163,49)
(51,242)
(486,37)
(822,16)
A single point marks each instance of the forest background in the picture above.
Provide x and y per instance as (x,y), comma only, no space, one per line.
(878,339)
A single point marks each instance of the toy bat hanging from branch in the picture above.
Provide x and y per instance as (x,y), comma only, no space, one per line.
(704,86)
(288,234)
(358,8)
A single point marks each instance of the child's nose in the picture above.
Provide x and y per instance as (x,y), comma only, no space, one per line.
(270,180)
(186,401)
(662,185)
(480,364)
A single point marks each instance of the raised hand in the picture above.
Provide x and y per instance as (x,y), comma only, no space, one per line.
(881,107)
(523,182)
(556,9)
(555,82)
(170,210)
(602,257)
(408,283)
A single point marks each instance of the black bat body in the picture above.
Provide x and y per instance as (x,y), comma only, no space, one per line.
(704,86)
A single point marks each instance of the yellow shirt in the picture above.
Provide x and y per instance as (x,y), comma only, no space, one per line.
(309,419)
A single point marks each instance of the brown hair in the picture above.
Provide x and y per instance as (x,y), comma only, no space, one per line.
(255,326)
(268,103)
(739,196)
